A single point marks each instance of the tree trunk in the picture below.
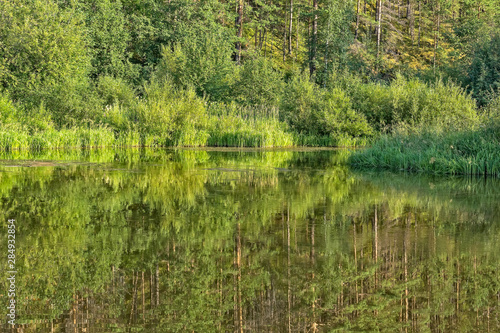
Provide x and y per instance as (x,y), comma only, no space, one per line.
(290,27)
(356,32)
(379,25)
(284,33)
(436,34)
(312,63)
(143,297)
(239,26)
(238,262)
(419,23)
(375,243)
(313,264)
(411,22)
(297,32)
(157,285)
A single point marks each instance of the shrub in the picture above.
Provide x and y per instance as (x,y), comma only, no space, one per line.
(201,59)
(258,83)
(338,117)
(44,57)
(120,104)
(116,91)
(415,103)
(312,110)
(300,103)
(169,113)
(8,112)
(119,118)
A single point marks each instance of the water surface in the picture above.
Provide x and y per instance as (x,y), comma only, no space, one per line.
(245,241)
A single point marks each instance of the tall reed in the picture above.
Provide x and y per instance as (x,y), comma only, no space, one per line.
(472,152)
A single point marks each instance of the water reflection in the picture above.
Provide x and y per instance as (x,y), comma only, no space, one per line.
(280,241)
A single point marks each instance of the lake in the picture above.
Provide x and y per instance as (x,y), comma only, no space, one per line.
(151,240)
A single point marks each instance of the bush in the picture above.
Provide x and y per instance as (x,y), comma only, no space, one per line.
(120,104)
(415,103)
(300,104)
(338,117)
(201,60)
(312,110)
(116,91)
(483,72)
(8,112)
(170,113)
(44,57)
(119,118)
(258,83)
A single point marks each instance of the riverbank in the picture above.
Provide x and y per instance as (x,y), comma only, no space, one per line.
(470,152)
(253,135)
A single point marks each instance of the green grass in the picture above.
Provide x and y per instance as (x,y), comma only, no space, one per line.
(224,125)
(220,132)
(64,138)
(339,140)
(472,152)
(236,131)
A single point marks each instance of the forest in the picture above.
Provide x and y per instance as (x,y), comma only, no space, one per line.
(417,81)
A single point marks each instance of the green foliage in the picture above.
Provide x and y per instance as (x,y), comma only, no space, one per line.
(200,60)
(153,25)
(258,83)
(415,103)
(8,112)
(234,126)
(338,117)
(68,64)
(108,38)
(483,73)
(44,58)
(471,152)
(300,104)
(170,113)
(120,104)
(115,90)
(310,109)
(335,36)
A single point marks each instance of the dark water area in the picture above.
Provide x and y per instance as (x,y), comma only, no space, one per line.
(244,241)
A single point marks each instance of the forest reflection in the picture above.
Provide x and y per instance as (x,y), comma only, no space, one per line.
(261,241)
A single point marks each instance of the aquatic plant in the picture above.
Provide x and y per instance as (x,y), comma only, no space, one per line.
(471,152)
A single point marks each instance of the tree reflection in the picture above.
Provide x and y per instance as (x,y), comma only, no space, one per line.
(285,241)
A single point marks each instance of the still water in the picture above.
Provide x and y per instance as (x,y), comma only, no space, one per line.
(244,241)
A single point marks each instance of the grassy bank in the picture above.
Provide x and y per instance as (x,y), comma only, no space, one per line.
(467,152)
(256,134)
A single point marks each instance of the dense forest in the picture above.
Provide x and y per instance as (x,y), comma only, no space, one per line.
(246,73)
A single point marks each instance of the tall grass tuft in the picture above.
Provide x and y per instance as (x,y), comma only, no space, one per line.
(468,152)
(234,126)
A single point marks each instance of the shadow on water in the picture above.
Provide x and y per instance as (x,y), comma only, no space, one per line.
(293,241)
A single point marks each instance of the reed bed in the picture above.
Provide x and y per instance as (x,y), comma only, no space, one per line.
(223,125)
(339,140)
(472,152)
(221,132)
(66,138)
(236,131)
